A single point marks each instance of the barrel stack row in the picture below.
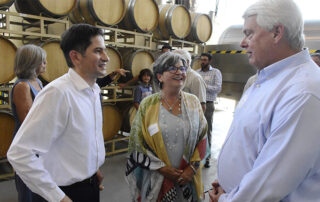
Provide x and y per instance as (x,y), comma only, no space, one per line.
(139,15)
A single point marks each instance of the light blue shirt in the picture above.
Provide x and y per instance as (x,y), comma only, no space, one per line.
(213,79)
(272,151)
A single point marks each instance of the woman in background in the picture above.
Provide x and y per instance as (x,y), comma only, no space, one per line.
(168,139)
(30,62)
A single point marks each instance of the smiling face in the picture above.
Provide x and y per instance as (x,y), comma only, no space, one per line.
(92,64)
(173,80)
(146,78)
(258,42)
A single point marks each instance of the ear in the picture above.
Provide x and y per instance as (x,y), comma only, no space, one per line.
(159,77)
(75,57)
(278,32)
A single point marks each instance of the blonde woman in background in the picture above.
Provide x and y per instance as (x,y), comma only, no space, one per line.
(30,62)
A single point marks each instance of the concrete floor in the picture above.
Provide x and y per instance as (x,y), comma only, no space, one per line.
(116,189)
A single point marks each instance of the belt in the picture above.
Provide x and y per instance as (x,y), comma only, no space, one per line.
(89,180)
(209,101)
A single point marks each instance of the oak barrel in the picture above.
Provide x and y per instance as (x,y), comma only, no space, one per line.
(7,54)
(56,63)
(174,20)
(49,8)
(105,12)
(141,15)
(5,4)
(112,121)
(6,132)
(196,63)
(136,60)
(201,28)
(115,61)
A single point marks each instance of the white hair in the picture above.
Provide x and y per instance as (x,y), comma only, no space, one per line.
(274,12)
(185,54)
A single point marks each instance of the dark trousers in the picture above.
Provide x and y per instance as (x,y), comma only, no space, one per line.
(24,193)
(85,191)
(209,116)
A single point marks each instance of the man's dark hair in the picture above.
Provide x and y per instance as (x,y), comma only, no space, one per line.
(78,38)
(166,46)
(208,55)
(145,72)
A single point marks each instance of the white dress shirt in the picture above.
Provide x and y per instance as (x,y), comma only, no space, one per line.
(63,127)
(213,79)
(272,151)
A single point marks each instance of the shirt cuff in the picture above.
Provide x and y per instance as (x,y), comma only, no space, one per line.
(56,195)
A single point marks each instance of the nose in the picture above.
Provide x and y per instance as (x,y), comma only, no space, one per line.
(244,43)
(105,56)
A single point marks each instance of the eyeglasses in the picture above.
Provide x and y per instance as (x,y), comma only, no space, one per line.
(174,70)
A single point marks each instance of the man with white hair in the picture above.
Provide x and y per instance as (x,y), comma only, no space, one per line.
(194,82)
(272,150)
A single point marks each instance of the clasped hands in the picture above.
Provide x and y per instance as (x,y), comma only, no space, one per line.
(181,177)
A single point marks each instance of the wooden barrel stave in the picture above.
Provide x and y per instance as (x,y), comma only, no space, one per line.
(6,132)
(201,28)
(112,121)
(7,55)
(56,63)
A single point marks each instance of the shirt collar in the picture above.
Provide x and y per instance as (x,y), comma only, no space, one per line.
(80,83)
(275,68)
(210,68)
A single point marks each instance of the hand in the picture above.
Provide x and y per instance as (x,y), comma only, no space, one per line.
(216,192)
(186,176)
(171,173)
(66,199)
(122,85)
(122,72)
(100,179)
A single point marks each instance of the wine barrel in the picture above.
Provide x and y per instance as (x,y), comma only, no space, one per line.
(136,60)
(174,20)
(112,121)
(141,15)
(115,61)
(6,132)
(7,54)
(201,28)
(196,64)
(49,8)
(56,63)
(5,4)
(105,12)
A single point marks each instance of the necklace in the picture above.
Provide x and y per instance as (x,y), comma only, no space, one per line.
(171,106)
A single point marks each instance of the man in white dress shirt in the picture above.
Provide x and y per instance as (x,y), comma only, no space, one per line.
(272,149)
(59,148)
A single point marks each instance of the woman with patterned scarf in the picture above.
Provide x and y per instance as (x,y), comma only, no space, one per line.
(168,139)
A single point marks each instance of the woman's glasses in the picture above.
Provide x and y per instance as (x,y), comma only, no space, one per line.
(174,70)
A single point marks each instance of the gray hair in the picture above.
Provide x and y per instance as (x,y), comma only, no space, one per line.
(274,12)
(165,61)
(185,54)
(27,61)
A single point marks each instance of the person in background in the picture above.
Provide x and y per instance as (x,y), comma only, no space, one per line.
(213,78)
(316,58)
(30,62)
(144,89)
(59,147)
(168,139)
(166,48)
(104,81)
(194,82)
(272,149)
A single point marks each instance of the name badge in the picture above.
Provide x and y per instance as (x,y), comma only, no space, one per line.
(153,129)
(207,78)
